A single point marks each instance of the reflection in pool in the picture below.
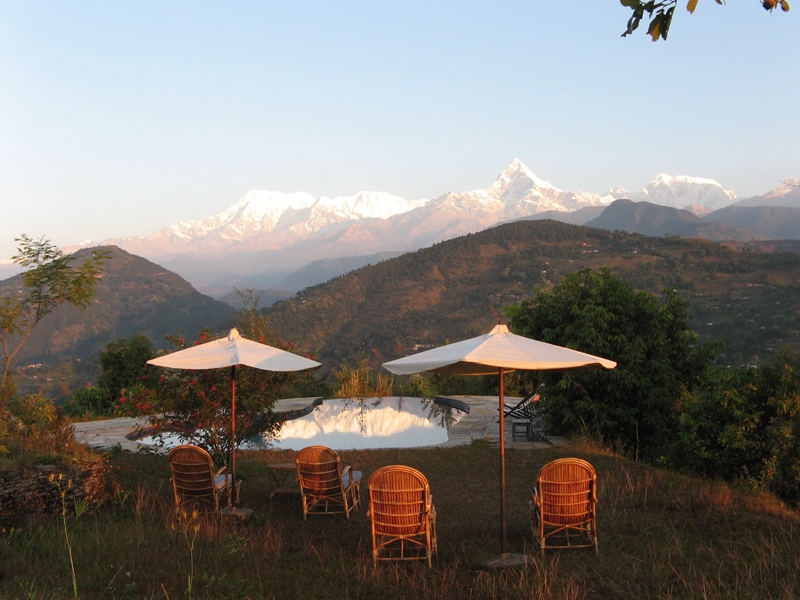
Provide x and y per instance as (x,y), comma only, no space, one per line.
(389,422)
(358,423)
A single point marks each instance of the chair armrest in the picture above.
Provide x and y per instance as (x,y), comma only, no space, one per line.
(534,501)
(221,471)
(346,472)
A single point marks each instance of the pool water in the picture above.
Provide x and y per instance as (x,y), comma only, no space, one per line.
(388,422)
(358,423)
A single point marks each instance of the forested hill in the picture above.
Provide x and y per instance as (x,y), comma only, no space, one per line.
(133,296)
(458,288)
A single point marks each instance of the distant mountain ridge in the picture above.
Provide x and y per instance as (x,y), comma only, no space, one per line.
(682,192)
(767,222)
(651,219)
(133,296)
(458,288)
(245,225)
(265,220)
(266,236)
(786,194)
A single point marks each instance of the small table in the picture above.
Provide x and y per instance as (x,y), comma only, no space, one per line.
(521,426)
(281,474)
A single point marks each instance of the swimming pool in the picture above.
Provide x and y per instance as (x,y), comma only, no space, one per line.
(388,422)
(358,423)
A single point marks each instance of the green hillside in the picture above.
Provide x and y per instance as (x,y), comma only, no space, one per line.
(458,288)
(134,295)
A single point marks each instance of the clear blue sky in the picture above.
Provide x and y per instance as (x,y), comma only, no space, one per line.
(119,118)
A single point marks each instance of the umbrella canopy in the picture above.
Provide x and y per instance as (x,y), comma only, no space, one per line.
(497,352)
(485,354)
(231,352)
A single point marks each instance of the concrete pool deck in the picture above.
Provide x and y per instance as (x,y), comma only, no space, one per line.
(480,423)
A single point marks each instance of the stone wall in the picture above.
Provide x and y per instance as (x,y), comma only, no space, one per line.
(27,492)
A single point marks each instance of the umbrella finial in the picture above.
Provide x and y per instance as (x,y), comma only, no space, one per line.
(234,335)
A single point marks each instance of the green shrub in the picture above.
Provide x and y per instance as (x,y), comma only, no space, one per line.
(34,427)
(744,425)
(633,406)
(93,401)
(123,363)
(725,424)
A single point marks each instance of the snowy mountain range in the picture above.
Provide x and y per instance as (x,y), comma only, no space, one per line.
(266,234)
(265,220)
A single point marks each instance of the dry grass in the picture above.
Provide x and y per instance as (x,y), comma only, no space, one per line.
(662,535)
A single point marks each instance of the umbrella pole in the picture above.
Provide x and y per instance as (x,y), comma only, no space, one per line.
(232,479)
(502,467)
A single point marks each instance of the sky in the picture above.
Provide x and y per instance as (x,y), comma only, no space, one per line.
(120,118)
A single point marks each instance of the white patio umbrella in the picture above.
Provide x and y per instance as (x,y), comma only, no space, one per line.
(498,351)
(230,352)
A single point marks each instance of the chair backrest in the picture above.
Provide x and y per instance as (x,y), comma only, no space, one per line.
(567,491)
(527,408)
(399,499)
(530,409)
(319,471)
(192,474)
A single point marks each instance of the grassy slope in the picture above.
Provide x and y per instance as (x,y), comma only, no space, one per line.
(457,289)
(662,535)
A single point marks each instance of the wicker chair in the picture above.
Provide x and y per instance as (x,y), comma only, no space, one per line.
(326,487)
(564,505)
(402,515)
(193,478)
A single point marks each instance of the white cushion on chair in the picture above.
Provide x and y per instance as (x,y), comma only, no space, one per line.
(356,475)
(219,481)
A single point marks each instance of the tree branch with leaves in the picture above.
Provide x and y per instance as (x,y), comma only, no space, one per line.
(50,281)
(660,13)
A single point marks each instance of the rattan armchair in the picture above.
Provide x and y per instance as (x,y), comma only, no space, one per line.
(564,505)
(402,515)
(324,486)
(194,481)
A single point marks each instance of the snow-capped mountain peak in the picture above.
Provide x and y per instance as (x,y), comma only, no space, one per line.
(788,186)
(371,205)
(517,176)
(264,212)
(295,229)
(681,191)
(617,192)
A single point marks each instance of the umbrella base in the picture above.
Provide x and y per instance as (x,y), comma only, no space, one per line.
(507,561)
(243,514)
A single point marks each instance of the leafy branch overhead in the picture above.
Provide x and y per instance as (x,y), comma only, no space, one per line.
(660,13)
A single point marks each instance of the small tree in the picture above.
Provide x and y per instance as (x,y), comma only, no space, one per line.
(361,381)
(50,282)
(634,404)
(197,404)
